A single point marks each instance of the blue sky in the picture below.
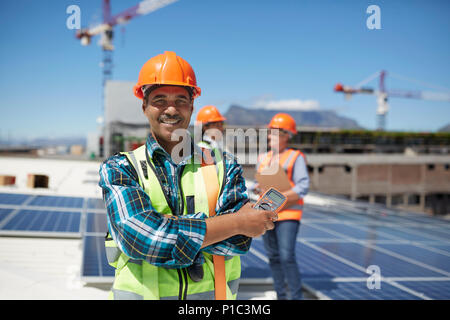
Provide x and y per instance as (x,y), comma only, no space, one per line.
(247,52)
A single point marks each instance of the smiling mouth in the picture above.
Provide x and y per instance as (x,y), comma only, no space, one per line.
(170,121)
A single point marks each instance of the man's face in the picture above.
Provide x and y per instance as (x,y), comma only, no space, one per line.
(278,139)
(168,108)
(214,130)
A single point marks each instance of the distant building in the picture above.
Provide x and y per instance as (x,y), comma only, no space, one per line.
(125,125)
(77,150)
(417,183)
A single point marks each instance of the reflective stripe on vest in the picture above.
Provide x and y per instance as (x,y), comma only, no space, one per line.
(286,160)
(138,279)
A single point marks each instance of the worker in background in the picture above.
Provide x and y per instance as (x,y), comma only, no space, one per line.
(212,123)
(161,230)
(280,242)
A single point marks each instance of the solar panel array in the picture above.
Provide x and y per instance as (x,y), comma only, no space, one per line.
(338,244)
(35,215)
(61,217)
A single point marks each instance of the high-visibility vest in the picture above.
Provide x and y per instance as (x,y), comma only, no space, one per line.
(286,160)
(138,279)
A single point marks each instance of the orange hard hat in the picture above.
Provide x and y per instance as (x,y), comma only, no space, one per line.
(283,121)
(209,114)
(169,69)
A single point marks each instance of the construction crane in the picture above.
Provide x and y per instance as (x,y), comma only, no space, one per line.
(105,29)
(383,94)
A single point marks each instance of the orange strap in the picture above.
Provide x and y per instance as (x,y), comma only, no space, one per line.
(212,190)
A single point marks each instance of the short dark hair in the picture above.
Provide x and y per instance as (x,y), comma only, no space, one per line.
(146,90)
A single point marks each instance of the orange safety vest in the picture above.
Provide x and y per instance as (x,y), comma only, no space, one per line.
(287,160)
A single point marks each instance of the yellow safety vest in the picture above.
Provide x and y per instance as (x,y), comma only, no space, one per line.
(138,279)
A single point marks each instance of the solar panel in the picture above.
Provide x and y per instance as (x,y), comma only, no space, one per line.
(421,253)
(57,201)
(341,229)
(357,290)
(96,223)
(4,213)
(339,242)
(398,232)
(433,231)
(442,247)
(314,264)
(13,198)
(410,250)
(433,289)
(42,224)
(96,204)
(50,216)
(61,216)
(254,267)
(308,231)
(95,267)
(365,256)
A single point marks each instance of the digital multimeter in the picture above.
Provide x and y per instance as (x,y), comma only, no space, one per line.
(271,200)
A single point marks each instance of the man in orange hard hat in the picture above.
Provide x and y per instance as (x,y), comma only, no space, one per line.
(212,122)
(280,242)
(162,239)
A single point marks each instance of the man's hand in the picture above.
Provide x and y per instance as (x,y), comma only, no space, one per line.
(253,222)
(247,221)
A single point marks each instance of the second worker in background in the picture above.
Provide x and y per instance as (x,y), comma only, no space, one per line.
(280,242)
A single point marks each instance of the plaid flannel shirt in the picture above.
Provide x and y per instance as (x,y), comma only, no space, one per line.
(167,241)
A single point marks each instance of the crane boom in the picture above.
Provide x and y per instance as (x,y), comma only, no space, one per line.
(142,8)
(396,93)
(383,94)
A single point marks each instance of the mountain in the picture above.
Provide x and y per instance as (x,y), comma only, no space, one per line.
(237,115)
(445,128)
(44,142)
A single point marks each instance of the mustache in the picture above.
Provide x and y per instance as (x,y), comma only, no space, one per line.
(165,117)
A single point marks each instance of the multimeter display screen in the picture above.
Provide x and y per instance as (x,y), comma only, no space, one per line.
(275,197)
(271,200)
